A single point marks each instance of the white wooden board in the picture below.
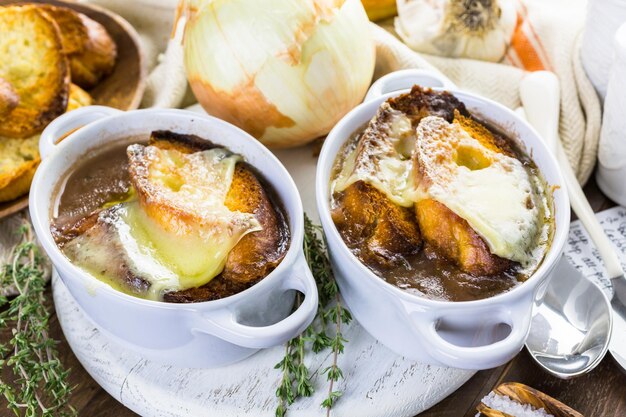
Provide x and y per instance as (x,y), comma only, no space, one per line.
(377,381)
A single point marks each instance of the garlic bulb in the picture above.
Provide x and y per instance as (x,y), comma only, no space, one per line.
(283,70)
(477,29)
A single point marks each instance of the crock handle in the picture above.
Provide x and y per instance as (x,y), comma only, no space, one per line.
(66,124)
(404,79)
(479,357)
(224,325)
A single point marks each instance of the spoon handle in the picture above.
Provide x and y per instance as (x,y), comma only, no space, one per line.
(539,92)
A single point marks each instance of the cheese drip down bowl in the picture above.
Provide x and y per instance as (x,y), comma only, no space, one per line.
(199,334)
(477,334)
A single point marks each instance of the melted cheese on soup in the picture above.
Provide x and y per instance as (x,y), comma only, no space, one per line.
(492,191)
(178,232)
(489,189)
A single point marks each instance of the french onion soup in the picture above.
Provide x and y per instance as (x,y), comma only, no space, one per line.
(440,203)
(176,219)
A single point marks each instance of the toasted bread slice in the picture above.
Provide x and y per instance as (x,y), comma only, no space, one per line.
(375,190)
(72,30)
(382,231)
(32,60)
(256,254)
(90,48)
(8,98)
(452,237)
(465,170)
(78,98)
(19,159)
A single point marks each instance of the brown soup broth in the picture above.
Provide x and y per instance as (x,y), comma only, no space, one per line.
(100,179)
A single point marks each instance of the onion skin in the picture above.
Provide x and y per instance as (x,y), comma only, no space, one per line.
(285,71)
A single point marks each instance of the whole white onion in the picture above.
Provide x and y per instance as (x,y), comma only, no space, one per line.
(283,70)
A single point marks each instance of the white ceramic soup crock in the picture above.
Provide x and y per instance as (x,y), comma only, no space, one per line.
(204,334)
(472,334)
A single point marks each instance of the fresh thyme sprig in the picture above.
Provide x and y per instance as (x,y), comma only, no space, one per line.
(37,384)
(330,316)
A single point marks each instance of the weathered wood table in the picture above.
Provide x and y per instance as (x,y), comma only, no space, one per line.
(600,393)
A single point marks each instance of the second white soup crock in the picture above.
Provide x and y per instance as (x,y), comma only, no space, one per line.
(471,334)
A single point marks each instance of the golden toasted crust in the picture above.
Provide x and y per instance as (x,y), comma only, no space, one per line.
(72,30)
(78,98)
(20,182)
(90,48)
(98,57)
(33,62)
(382,231)
(19,159)
(452,237)
(8,98)
(485,136)
(257,253)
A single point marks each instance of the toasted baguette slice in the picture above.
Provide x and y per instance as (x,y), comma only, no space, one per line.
(19,159)
(257,253)
(73,32)
(375,189)
(78,98)
(90,48)
(382,231)
(8,98)
(32,60)
(98,58)
(452,237)
(464,171)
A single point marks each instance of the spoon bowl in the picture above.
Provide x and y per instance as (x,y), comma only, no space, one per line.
(571,329)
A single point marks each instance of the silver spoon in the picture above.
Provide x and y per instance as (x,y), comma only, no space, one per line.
(570,331)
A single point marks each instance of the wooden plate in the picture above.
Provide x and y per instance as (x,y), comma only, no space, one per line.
(122,89)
